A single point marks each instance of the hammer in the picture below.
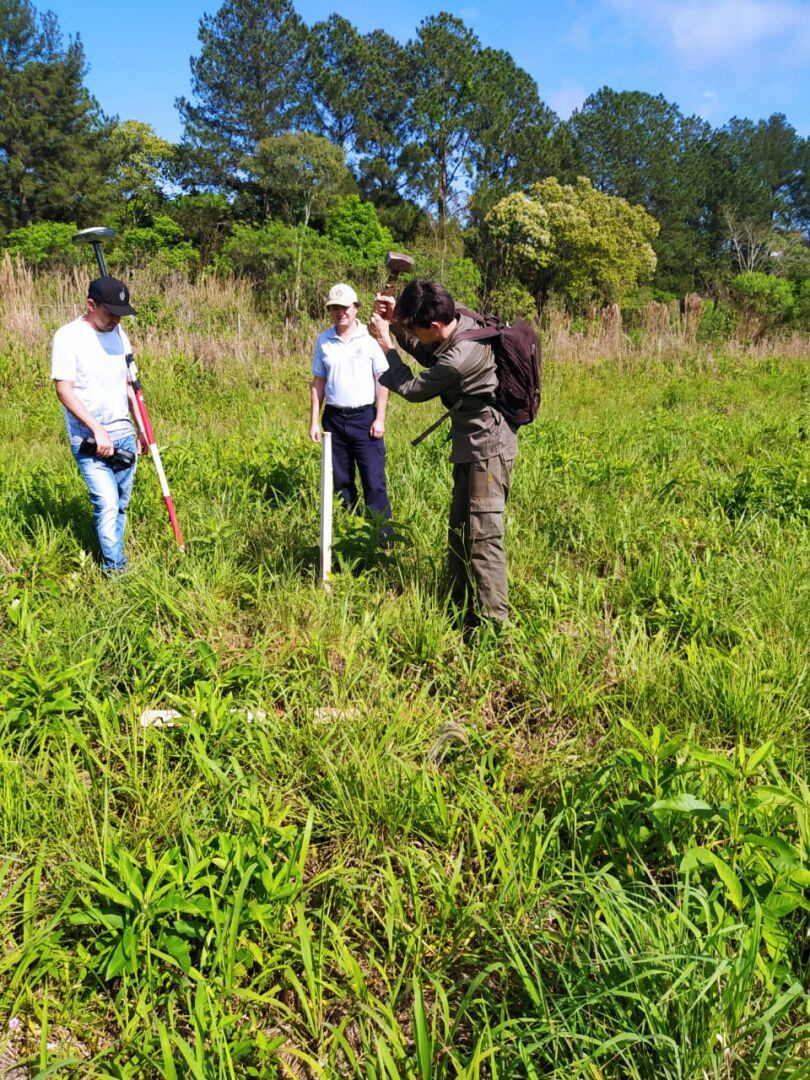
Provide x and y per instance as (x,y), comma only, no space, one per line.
(395,264)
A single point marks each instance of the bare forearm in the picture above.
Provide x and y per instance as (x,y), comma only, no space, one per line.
(316,396)
(381,401)
(136,412)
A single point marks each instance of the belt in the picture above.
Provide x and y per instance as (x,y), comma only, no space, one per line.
(350,408)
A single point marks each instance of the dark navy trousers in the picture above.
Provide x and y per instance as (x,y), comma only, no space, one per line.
(353,446)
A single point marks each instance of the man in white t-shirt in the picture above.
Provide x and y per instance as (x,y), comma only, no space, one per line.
(346,367)
(89,370)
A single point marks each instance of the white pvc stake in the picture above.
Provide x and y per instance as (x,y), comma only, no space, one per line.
(326,508)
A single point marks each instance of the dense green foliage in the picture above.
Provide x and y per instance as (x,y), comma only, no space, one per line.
(766,301)
(367,847)
(45,243)
(571,239)
(355,228)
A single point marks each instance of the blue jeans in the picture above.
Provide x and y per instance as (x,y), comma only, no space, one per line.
(109,493)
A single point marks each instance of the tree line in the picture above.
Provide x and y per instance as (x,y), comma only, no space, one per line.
(307,145)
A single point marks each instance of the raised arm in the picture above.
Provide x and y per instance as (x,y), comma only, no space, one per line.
(425,386)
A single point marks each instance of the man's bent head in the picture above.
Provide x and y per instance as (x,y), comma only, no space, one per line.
(425,309)
(107,301)
(422,303)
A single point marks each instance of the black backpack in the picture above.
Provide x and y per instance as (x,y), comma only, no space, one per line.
(517,357)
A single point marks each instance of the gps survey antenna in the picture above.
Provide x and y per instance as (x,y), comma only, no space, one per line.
(96,236)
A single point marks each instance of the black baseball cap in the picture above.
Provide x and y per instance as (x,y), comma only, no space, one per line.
(111,294)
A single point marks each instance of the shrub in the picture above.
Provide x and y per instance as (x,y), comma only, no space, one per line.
(717,322)
(161,246)
(204,219)
(512,301)
(764,301)
(294,265)
(155,311)
(459,275)
(801,312)
(355,229)
(45,244)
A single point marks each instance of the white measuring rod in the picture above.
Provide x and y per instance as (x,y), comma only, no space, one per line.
(326,508)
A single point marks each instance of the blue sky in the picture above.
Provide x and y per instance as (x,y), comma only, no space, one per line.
(716,58)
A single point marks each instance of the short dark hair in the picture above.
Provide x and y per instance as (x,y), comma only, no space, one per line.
(424,302)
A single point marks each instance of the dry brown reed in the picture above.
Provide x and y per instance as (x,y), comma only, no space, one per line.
(692,311)
(20,320)
(675,316)
(655,320)
(217,323)
(610,328)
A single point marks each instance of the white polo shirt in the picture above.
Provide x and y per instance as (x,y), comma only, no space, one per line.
(350,367)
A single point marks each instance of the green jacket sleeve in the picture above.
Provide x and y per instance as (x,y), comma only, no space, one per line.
(428,384)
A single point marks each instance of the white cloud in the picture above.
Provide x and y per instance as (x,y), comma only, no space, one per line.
(709,105)
(703,33)
(579,33)
(565,99)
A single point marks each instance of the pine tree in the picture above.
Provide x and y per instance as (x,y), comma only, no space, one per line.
(248,84)
(54,157)
(642,148)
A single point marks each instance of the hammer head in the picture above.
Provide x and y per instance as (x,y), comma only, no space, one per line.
(397,264)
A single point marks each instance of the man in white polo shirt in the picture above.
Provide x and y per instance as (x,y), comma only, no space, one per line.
(89,370)
(345,371)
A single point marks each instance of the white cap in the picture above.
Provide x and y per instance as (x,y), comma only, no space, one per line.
(341,295)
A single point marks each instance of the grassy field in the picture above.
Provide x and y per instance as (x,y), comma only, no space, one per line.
(367,847)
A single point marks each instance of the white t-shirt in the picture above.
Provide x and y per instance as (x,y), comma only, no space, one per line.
(95,363)
(350,367)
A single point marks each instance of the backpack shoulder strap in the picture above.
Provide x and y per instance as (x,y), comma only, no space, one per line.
(461,310)
(483,333)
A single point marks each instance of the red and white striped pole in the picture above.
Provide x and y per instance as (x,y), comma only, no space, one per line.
(146,428)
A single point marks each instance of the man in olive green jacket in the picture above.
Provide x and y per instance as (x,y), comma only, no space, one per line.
(484,445)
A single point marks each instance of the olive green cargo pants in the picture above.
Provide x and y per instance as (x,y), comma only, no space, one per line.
(476,552)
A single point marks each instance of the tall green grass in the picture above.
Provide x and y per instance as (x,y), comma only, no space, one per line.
(368,847)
